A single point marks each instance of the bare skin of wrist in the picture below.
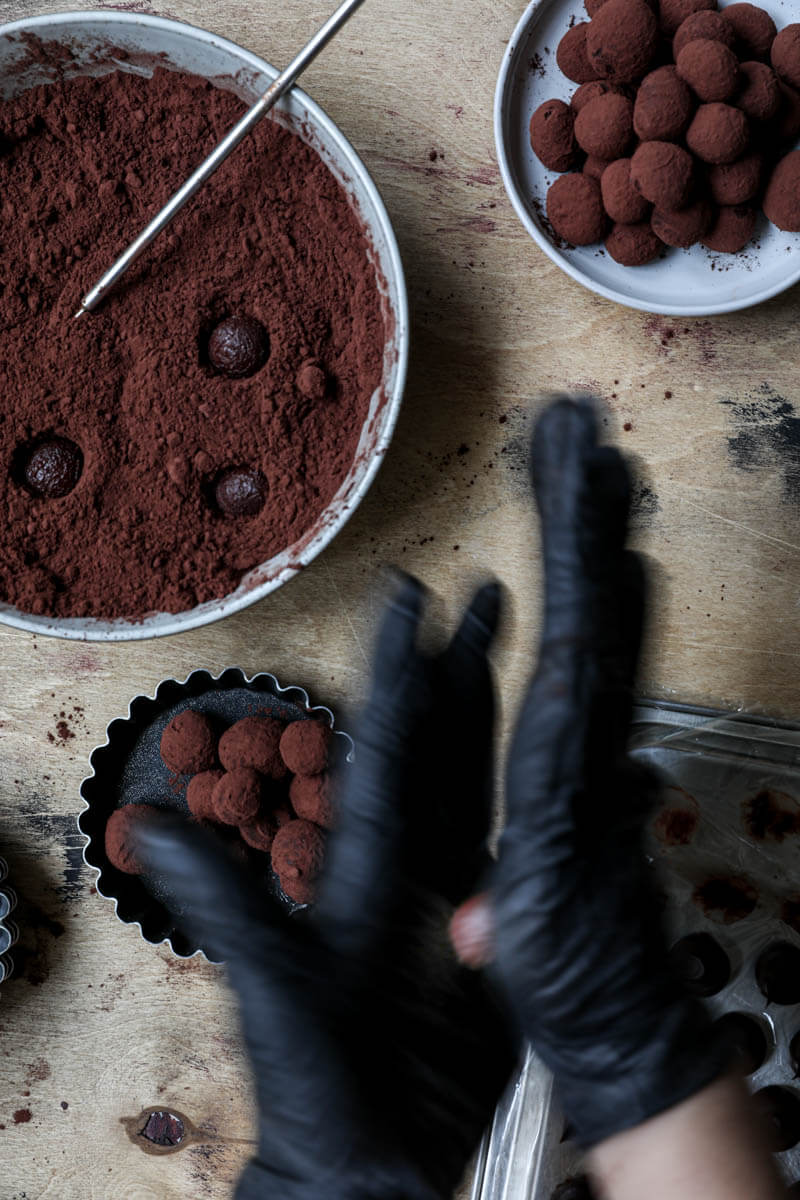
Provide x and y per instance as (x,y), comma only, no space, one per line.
(711,1147)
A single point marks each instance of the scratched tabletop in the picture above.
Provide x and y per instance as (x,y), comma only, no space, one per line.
(97,1026)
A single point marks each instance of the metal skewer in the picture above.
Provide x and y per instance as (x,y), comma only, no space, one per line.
(278,88)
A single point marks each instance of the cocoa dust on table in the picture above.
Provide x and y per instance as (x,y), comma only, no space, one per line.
(84,163)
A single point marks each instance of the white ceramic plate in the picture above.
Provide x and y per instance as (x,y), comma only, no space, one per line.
(686,283)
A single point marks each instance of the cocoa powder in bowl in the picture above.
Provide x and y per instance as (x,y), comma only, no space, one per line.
(84,163)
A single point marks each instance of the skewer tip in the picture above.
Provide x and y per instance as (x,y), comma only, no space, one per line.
(80,313)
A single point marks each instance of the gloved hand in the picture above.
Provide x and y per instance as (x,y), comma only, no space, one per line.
(378,1060)
(578,940)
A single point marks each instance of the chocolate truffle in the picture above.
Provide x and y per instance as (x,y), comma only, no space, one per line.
(297,855)
(604,126)
(746,1040)
(621,200)
(312,798)
(471,932)
(241,492)
(595,167)
(188,743)
(199,795)
(238,347)
(575,207)
(683,227)
(621,40)
(782,197)
(704,24)
(237,796)
(672,13)
(121,848)
(312,381)
(593,6)
(785,55)
(781,1108)
(710,69)
(718,133)
(305,747)
(787,124)
(732,230)
(553,135)
(260,833)
(633,245)
(571,56)
(778,971)
(53,468)
(574,1189)
(755,30)
(662,172)
(758,94)
(254,742)
(701,964)
(590,91)
(664,106)
(738,182)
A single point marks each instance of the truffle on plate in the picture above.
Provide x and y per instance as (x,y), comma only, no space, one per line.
(710,69)
(704,24)
(311,797)
(664,106)
(199,795)
(621,40)
(121,847)
(758,94)
(260,833)
(552,133)
(754,28)
(575,207)
(604,126)
(782,197)
(672,13)
(590,91)
(621,200)
(254,742)
(237,796)
(188,743)
(684,227)
(305,747)
(662,172)
(571,56)
(297,854)
(719,133)
(785,55)
(737,182)
(633,245)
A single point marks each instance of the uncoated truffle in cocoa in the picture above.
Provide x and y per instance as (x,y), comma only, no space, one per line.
(738,182)
(664,106)
(306,747)
(758,94)
(621,40)
(552,133)
(782,197)
(297,855)
(710,69)
(633,245)
(672,13)
(685,227)
(732,229)
(662,172)
(704,24)
(604,126)
(571,55)
(754,28)
(785,54)
(621,200)
(254,742)
(188,743)
(575,208)
(719,133)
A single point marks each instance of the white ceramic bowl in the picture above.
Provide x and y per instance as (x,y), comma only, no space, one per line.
(686,283)
(90,37)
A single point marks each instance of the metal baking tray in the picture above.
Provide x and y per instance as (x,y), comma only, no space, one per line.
(8,930)
(724,845)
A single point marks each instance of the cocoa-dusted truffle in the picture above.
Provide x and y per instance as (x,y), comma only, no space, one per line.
(755,29)
(241,492)
(312,380)
(758,94)
(745,1038)
(52,468)
(787,123)
(305,747)
(621,40)
(781,1109)
(710,69)
(188,743)
(254,742)
(200,795)
(571,55)
(778,971)
(552,133)
(704,24)
(604,126)
(672,13)
(121,848)
(593,6)
(238,347)
(621,200)
(684,227)
(260,833)
(633,245)
(738,182)
(312,798)
(590,91)
(237,796)
(732,230)
(575,207)
(594,167)
(785,55)
(719,133)
(297,855)
(782,197)
(664,106)
(662,172)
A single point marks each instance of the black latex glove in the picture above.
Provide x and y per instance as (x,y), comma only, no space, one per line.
(378,1060)
(579,944)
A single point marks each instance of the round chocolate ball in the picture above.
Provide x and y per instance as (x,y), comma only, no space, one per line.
(604,126)
(786,126)
(297,855)
(552,133)
(621,40)
(701,964)
(200,795)
(572,57)
(704,24)
(785,55)
(575,208)
(672,13)
(254,742)
(312,799)
(745,1039)
(782,197)
(781,1109)
(237,796)
(633,245)
(662,172)
(120,839)
(755,30)
(238,347)
(312,381)
(305,747)
(52,468)
(710,69)
(260,833)
(719,133)
(738,182)
(621,200)
(241,492)
(594,167)
(590,91)
(684,227)
(778,970)
(758,94)
(732,230)
(189,743)
(664,106)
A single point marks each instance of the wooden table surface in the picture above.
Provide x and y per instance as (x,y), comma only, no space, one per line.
(97,1025)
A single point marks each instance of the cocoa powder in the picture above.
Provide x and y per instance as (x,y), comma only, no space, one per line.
(84,163)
